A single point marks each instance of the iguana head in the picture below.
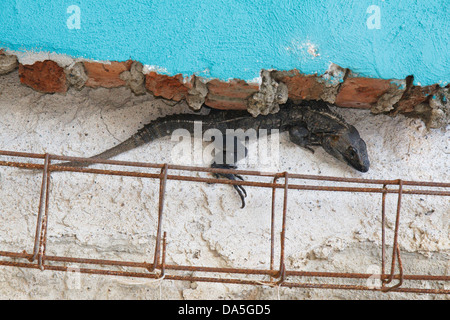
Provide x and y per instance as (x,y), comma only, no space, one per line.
(346,145)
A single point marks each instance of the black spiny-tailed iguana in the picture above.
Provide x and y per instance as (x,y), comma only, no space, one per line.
(310,123)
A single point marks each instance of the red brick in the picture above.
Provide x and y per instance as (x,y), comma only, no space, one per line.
(229,95)
(106,75)
(361,92)
(45,76)
(168,87)
(301,86)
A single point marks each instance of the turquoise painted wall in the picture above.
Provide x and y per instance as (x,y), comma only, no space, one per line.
(237,38)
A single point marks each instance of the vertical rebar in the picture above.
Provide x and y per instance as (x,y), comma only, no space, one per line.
(383,231)
(396,248)
(40,241)
(283,229)
(272,225)
(37,238)
(162,192)
(43,239)
(163,260)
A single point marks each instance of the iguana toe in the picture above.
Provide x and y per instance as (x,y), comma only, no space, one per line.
(240,189)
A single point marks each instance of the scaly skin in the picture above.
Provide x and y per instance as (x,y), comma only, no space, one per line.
(310,123)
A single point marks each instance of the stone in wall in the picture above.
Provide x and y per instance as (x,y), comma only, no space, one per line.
(76,75)
(269,97)
(439,113)
(332,80)
(8,63)
(197,93)
(386,102)
(135,78)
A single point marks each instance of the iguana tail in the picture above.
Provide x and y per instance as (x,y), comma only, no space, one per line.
(129,144)
(154,130)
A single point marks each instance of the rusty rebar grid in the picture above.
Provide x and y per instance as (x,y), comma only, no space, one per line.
(279,276)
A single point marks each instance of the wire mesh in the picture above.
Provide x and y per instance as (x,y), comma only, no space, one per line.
(391,281)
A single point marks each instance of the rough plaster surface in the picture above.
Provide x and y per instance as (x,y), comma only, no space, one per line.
(115,218)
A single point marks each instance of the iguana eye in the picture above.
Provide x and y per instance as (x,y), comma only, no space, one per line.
(352,152)
(335,138)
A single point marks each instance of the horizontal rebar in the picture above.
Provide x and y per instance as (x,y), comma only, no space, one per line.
(190,168)
(251,183)
(267,272)
(229,280)
(278,275)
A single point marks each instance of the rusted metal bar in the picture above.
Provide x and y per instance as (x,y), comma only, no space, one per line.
(43,238)
(22,154)
(272,227)
(289,273)
(225,280)
(40,210)
(383,230)
(272,224)
(395,247)
(195,169)
(222,270)
(281,274)
(246,183)
(163,261)
(162,192)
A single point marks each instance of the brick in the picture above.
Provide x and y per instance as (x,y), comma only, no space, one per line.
(106,75)
(301,86)
(362,92)
(167,87)
(45,76)
(231,95)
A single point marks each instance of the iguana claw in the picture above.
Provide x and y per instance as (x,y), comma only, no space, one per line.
(240,189)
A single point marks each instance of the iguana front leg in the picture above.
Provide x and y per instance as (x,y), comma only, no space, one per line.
(226,157)
(302,137)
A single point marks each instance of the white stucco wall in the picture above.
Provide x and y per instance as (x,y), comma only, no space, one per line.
(115,218)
